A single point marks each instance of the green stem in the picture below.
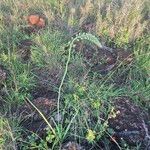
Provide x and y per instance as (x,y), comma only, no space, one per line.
(63,78)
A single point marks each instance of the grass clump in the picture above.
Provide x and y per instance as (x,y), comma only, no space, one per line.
(9,133)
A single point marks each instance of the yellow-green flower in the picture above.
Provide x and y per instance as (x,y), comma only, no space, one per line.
(96,104)
(90,135)
(114,113)
(76,97)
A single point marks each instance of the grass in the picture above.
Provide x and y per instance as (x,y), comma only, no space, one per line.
(85,97)
(9,132)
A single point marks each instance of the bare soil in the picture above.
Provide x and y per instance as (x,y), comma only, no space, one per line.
(24,49)
(131,123)
(3,74)
(48,78)
(32,120)
(103,60)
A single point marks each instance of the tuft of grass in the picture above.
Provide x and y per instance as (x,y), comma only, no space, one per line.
(9,133)
(20,80)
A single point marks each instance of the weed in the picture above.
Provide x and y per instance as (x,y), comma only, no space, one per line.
(88,37)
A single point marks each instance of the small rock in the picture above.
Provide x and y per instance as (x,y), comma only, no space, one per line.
(33,19)
(58,117)
(35,23)
(37,20)
(72,146)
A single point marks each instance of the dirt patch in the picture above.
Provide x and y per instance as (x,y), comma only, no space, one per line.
(124,56)
(29,30)
(131,123)
(106,60)
(43,92)
(48,78)
(31,119)
(99,60)
(44,100)
(1,102)
(2,75)
(89,24)
(24,49)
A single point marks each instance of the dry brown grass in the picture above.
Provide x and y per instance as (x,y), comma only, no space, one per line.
(122,20)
